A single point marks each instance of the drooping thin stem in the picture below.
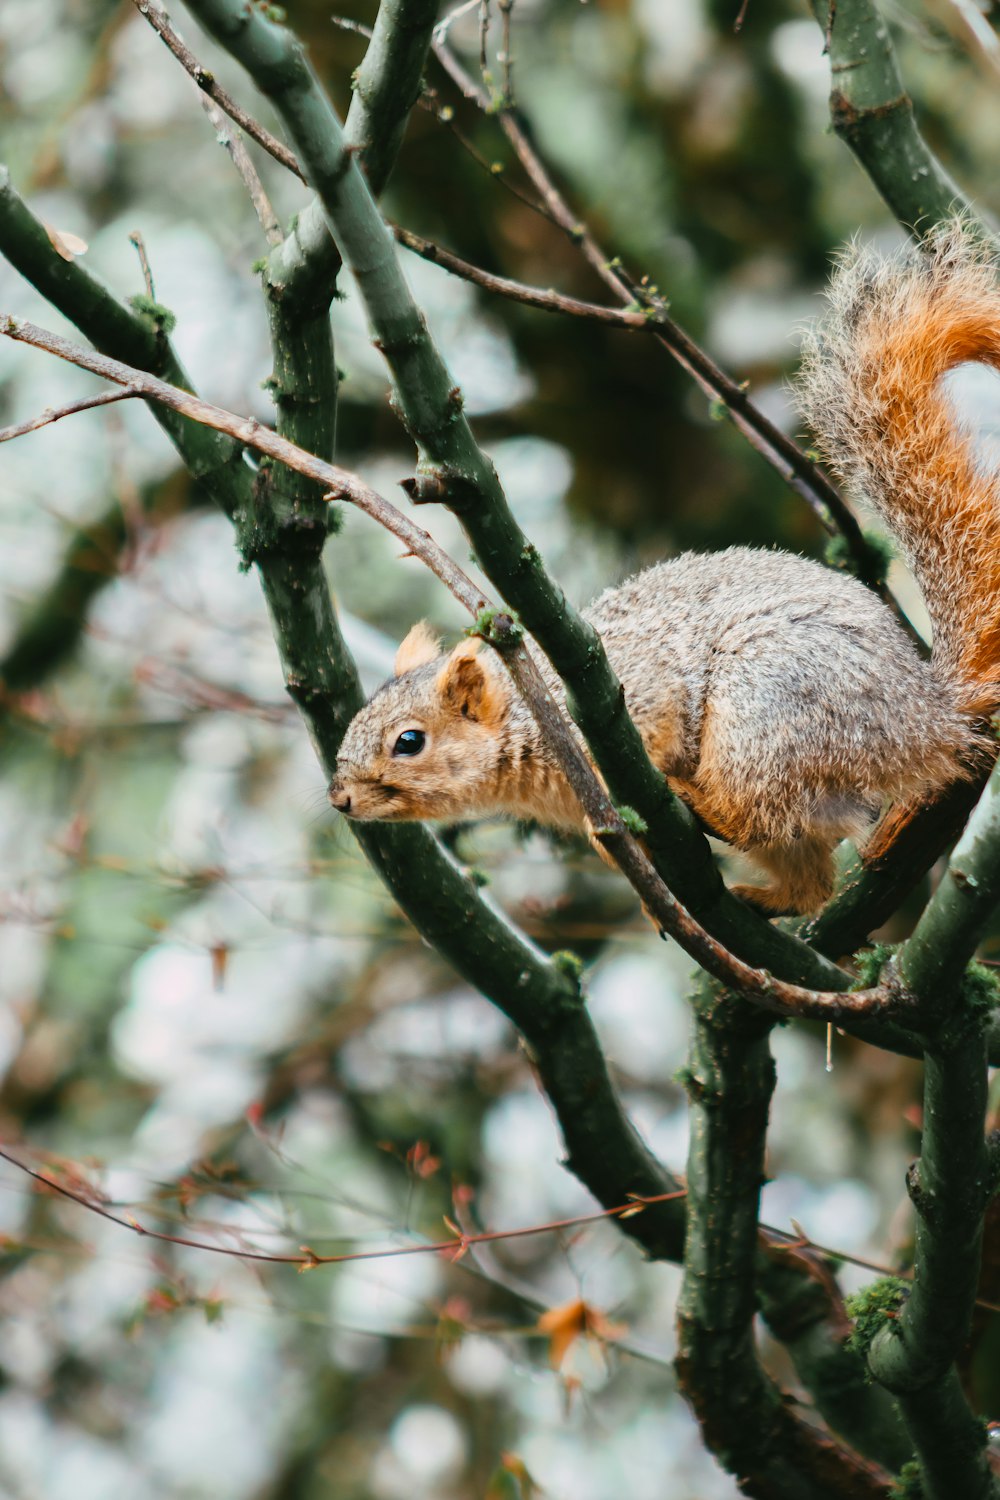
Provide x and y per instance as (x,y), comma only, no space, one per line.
(240,157)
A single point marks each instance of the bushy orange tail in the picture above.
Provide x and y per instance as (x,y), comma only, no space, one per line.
(871,390)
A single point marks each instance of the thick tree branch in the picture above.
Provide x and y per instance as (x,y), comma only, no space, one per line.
(934,957)
(872,112)
(803,1308)
(745,1421)
(904,846)
(914,1354)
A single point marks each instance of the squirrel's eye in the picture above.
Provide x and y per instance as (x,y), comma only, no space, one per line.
(410,742)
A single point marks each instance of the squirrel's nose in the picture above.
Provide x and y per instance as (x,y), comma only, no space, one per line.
(340,798)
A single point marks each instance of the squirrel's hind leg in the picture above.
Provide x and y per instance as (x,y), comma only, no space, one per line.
(802,874)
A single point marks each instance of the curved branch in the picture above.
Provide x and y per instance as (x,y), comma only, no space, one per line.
(770,993)
(933,959)
(207,82)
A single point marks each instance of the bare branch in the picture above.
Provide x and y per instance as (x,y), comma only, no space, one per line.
(456,1245)
(798,471)
(136,239)
(517,291)
(348,23)
(447,21)
(240,157)
(56,413)
(206,82)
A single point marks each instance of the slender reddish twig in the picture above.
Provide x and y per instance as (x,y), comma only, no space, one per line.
(205,80)
(454,1247)
(56,413)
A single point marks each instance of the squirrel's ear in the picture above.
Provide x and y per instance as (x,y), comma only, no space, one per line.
(468,689)
(420,647)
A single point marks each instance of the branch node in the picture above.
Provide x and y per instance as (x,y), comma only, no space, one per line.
(501,628)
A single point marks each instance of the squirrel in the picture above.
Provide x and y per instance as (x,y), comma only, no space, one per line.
(781,699)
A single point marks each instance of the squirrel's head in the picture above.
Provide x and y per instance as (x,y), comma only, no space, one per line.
(426,745)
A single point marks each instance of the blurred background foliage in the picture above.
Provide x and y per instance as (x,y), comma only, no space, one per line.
(211,1014)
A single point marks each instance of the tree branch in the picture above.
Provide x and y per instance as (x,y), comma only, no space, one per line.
(206,81)
(240,158)
(120,332)
(56,413)
(745,1421)
(913,1354)
(766,991)
(934,957)
(456,472)
(798,471)
(904,846)
(517,291)
(872,112)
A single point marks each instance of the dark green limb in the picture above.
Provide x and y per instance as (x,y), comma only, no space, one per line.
(802,1306)
(872,112)
(745,1421)
(122,333)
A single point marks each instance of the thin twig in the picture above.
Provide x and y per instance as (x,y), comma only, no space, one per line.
(505,56)
(348,23)
(240,157)
(795,468)
(56,413)
(136,239)
(517,291)
(456,1246)
(206,82)
(447,21)
(755,984)
(484,28)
